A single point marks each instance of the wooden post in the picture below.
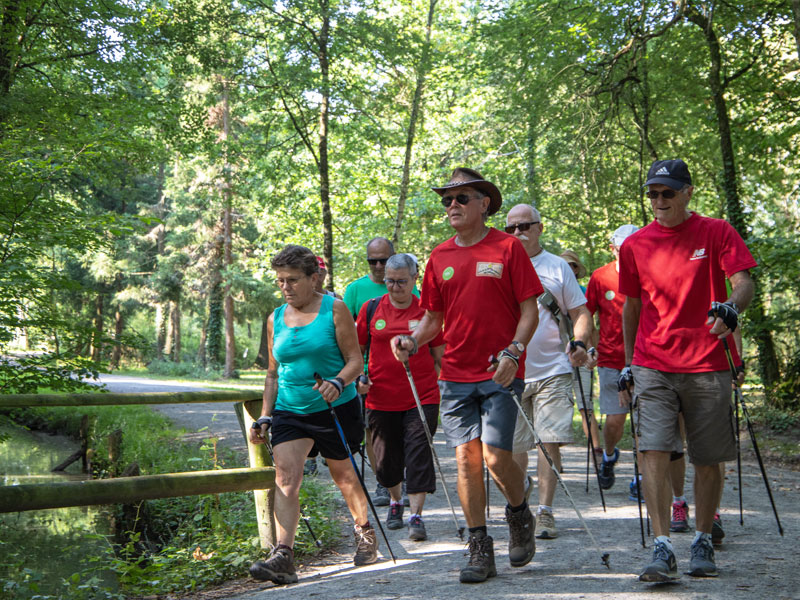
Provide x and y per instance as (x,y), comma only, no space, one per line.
(248,412)
(115,451)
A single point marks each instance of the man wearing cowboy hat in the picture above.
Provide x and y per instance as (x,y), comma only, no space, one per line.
(548,368)
(481,285)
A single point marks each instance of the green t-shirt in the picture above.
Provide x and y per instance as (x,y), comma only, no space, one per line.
(362,290)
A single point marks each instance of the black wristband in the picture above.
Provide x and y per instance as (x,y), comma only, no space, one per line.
(261,421)
(575,343)
(504,353)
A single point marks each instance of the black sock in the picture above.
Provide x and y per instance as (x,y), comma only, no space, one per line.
(519,508)
(474,530)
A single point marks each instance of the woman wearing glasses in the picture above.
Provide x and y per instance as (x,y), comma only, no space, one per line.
(398,437)
(311,333)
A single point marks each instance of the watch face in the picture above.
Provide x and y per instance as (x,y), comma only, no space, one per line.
(519,346)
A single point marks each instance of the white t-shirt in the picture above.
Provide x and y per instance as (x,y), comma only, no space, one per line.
(546,356)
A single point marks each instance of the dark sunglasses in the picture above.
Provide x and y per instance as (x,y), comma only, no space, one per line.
(666,194)
(375,261)
(520,226)
(462,199)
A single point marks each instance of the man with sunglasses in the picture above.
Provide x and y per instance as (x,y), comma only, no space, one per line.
(547,398)
(370,286)
(672,272)
(481,285)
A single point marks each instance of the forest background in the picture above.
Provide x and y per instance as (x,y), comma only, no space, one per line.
(155,154)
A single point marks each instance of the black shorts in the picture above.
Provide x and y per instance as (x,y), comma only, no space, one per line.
(320,427)
(399,441)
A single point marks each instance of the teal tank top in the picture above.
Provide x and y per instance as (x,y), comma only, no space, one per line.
(303,351)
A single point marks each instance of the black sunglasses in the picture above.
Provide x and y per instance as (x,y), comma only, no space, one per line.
(667,194)
(375,261)
(462,199)
(520,226)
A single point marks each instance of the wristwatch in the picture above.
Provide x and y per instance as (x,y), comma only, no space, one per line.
(519,346)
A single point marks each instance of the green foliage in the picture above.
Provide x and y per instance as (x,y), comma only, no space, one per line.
(786,396)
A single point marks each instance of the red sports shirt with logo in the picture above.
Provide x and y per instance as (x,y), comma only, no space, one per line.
(603,297)
(677,272)
(390,389)
(479,289)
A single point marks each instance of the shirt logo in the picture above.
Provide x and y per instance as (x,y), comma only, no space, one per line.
(662,171)
(412,324)
(448,273)
(380,324)
(610,295)
(489,269)
(698,254)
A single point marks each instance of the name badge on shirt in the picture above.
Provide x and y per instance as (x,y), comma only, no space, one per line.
(489,269)
(412,324)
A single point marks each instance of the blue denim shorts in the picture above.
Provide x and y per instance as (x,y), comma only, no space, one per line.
(482,409)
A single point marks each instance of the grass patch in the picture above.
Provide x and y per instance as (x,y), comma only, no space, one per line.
(174,545)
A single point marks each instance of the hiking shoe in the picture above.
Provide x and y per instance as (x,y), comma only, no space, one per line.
(278,568)
(395,518)
(717,532)
(381,496)
(366,545)
(633,490)
(480,565)
(680,517)
(606,473)
(663,567)
(702,562)
(546,525)
(404,495)
(521,544)
(416,529)
(310,466)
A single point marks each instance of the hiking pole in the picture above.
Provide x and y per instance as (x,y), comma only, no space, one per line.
(604,556)
(738,459)
(486,469)
(636,475)
(303,516)
(459,530)
(342,437)
(751,432)
(588,418)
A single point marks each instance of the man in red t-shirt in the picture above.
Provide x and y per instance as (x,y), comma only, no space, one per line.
(481,285)
(603,298)
(672,271)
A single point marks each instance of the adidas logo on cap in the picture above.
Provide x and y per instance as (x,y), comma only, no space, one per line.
(674,173)
(662,171)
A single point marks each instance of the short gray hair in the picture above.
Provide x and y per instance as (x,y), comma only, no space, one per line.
(403,261)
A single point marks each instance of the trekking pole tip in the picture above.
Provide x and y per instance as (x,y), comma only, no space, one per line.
(605,559)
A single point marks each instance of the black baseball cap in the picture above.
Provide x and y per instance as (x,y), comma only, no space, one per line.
(673,173)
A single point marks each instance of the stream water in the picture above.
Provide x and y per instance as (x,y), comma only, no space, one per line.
(40,549)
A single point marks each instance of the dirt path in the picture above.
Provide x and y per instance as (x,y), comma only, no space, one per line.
(754,561)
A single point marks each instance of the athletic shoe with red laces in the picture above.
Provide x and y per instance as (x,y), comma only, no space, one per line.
(717,532)
(680,517)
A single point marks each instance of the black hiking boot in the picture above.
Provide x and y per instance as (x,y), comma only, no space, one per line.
(278,568)
(480,565)
(366,545)
(395,518)
(521,543)
(606,473)
(717,533)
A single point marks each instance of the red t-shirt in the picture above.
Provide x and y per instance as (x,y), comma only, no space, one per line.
(602,295)
(677,272)
(479,289)
(391,389)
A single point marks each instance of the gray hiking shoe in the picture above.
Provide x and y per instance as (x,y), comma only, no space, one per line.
(663,567)
(702,562)
(481,559)
(521,543)
(366,546)
(381,496)
(546,525)
(395,518)
(278,568)
(416,529)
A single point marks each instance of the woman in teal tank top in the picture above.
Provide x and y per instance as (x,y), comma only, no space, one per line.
(311,333)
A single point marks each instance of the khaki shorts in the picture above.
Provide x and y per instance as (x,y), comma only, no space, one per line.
(705,401)
(548,403)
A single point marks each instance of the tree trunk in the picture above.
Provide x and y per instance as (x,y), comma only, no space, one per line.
(96,349)
(175,327)
(215,317)
(169,338)
(161,213)
(767,356)
(201,347)
(227,226)
(416,108)
(324,175)
(262,360)
(119,325)
(796,13)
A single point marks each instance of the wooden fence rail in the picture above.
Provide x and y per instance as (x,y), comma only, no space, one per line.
(260,477)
